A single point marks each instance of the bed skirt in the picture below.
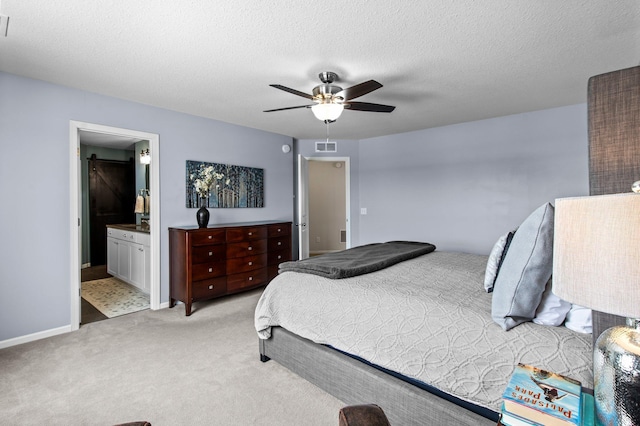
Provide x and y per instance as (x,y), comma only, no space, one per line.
(355,382)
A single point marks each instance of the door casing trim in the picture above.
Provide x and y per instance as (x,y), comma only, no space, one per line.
(75,212)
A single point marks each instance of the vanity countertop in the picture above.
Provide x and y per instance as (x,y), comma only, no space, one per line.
(131,227)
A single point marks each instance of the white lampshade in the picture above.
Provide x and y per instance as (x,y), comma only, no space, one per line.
(327,111)
(596,252)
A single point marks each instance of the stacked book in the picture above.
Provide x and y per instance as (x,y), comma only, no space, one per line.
(541,398)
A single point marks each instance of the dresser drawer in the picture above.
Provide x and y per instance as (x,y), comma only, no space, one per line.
(272,272)
(203,254)
(206,270)
(246,248)
(247,263)
(209,288)
(207,236)
(279,229)
(246,233)
(277,257)
(279,243)
(237,282)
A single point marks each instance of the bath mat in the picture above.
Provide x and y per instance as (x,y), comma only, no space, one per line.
(113,297)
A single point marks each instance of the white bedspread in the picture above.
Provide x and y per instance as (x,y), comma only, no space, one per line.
(427,318)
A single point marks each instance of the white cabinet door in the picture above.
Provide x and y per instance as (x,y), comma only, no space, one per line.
(124,260)
(112,256)
(147,269)
(137,265)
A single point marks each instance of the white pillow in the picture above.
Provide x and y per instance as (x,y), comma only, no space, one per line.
(552,310)
(495,258)
(579,319)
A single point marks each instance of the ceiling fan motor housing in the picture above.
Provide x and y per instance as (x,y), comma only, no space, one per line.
(326,92)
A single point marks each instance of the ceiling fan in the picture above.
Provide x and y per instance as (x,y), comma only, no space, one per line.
(330,100)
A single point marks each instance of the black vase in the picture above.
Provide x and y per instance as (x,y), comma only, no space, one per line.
(202,215)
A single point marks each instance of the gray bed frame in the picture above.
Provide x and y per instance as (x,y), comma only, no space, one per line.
(356,382)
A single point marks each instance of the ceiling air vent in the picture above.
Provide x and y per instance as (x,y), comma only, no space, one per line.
(326,147)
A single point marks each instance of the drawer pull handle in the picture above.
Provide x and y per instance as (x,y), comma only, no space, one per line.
(250,263)
(279,230)
(210,253)
(250,233)
(279,257)
(210,236)
(250,248)
(211,287)
(250,278)
(279,243)
(210,269)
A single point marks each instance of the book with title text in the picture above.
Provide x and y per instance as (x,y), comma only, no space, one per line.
(587,414)
(543,397)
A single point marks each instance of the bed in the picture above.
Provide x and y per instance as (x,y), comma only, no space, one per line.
(417,337)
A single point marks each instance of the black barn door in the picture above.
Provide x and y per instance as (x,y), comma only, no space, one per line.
(111,200)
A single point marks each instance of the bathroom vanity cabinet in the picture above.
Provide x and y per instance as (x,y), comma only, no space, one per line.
(129,255)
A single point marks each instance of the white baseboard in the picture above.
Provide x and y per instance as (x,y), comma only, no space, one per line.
(47,333)
(35,336)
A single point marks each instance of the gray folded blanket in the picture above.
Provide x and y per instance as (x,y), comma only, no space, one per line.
(359,260)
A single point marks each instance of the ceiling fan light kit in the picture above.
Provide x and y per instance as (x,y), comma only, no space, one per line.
(327,111)
(330,100)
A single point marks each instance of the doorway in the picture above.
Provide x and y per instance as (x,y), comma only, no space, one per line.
(324,223)
(76,211)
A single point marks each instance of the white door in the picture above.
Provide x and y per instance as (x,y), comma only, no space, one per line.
(76,254)
(303,207)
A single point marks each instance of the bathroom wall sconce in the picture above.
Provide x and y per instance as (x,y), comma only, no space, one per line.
(145,156)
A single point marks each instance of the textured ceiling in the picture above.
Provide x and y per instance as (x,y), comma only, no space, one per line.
(441,62)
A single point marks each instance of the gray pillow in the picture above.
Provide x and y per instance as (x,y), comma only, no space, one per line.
(526,268)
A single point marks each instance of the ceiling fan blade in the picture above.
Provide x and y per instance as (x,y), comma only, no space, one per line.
(290,90)
(366,106)
(284,109)
(359,90)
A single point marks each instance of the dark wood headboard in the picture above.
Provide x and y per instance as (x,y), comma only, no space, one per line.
(614,145)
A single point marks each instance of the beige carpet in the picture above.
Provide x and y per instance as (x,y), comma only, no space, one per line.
(159,366)
(114,297)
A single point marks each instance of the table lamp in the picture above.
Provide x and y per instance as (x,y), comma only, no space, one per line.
(597,265)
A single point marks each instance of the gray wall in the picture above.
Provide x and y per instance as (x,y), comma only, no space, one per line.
(34,187)
(459,187)
(462,186)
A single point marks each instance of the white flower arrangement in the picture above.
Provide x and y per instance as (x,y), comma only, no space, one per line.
(204,179)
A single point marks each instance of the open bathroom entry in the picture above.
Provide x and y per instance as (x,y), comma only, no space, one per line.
(114,242)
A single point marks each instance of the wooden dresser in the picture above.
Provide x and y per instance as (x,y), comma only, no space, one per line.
(205,263)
